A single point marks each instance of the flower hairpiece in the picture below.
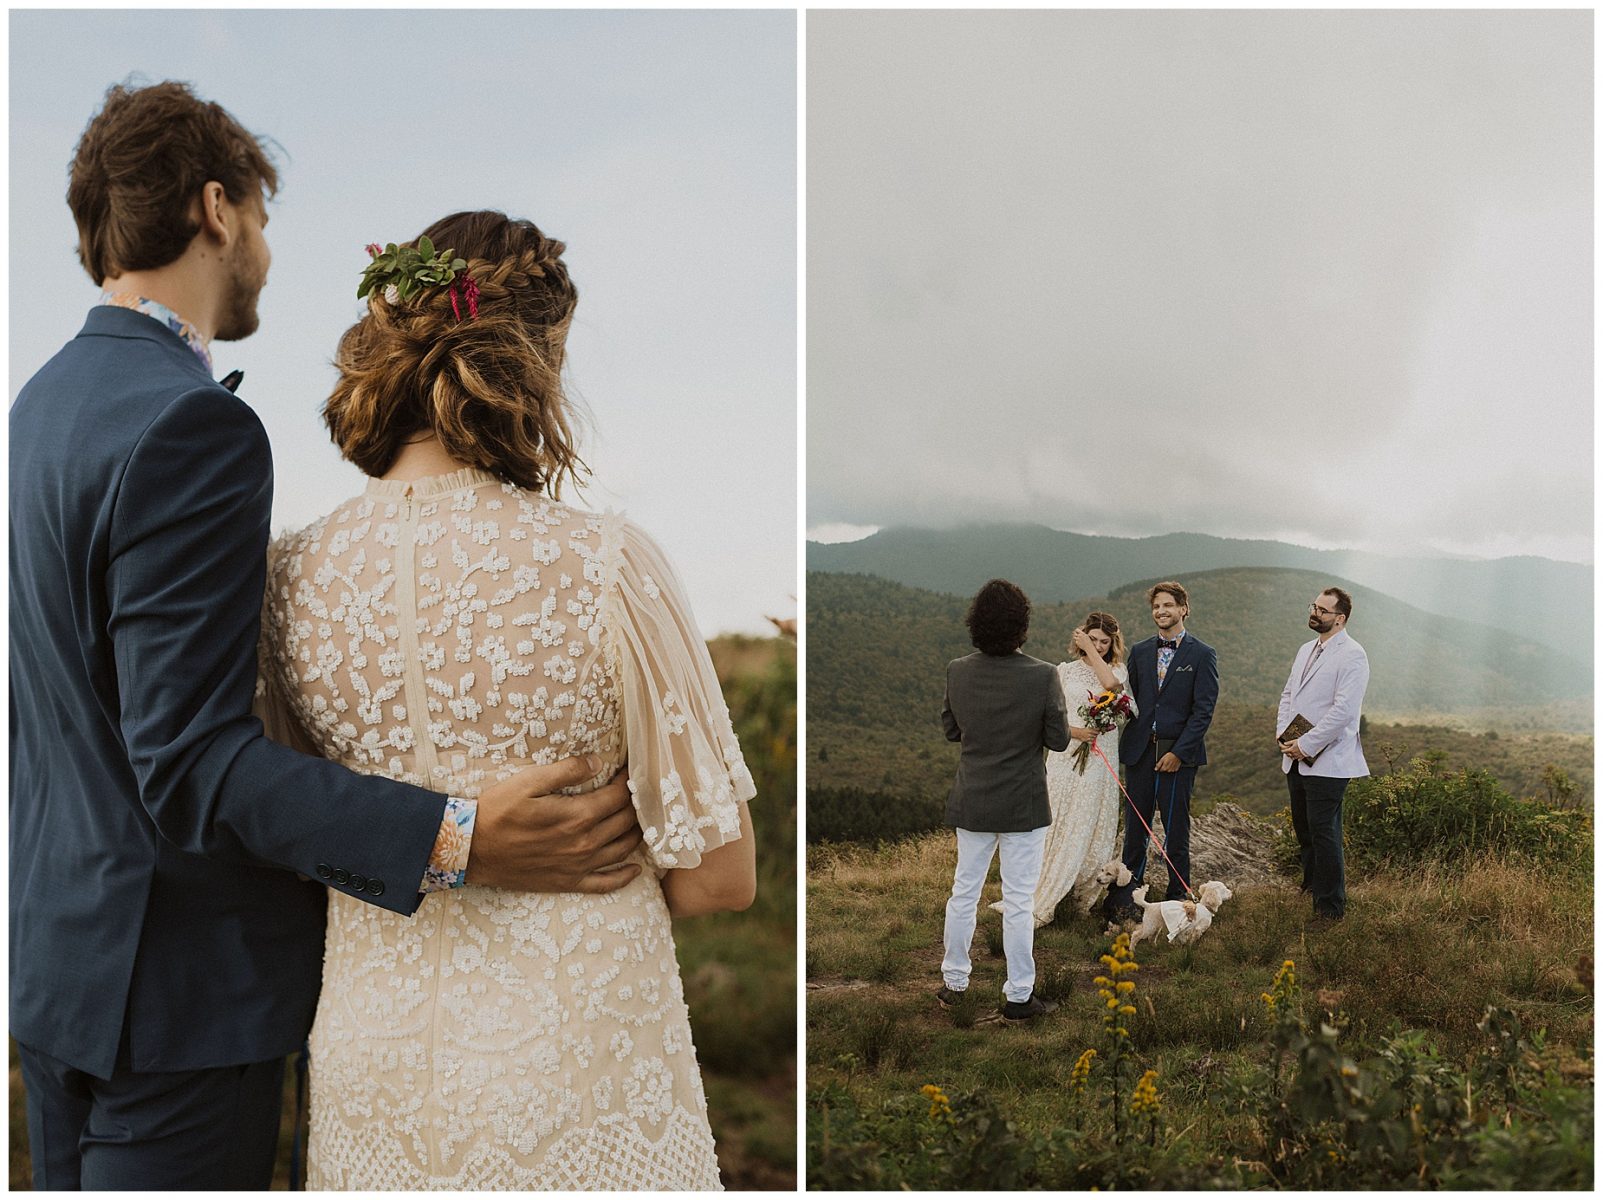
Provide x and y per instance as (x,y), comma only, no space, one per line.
(400,271)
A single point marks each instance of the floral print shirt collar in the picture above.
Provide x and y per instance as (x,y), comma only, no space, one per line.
(160,312)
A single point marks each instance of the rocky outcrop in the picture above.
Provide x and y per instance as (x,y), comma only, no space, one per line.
(1229,844)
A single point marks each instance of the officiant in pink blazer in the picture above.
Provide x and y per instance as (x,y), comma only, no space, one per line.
(1321,753)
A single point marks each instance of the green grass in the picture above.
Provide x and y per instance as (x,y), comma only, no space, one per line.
(1428,949)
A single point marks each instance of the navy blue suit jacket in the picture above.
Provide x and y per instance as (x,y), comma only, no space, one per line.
(155,833)
(1182,709)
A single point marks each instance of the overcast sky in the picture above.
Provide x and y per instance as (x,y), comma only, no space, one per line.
(1320,276)
(660,146)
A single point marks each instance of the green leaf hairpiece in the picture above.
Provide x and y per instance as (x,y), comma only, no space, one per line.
(401,271)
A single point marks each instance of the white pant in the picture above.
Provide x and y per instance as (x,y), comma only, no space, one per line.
(1021,871)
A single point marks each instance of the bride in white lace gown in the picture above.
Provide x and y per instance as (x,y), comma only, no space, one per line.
(448,626)
(1085,808)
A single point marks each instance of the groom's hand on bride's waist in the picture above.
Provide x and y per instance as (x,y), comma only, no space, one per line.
(529,838)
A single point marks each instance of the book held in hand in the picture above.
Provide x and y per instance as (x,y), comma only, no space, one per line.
(1299,725)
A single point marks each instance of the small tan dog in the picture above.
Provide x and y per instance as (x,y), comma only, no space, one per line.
(1183,920)
(1112,873)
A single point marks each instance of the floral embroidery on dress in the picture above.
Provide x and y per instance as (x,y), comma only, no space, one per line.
(448,633)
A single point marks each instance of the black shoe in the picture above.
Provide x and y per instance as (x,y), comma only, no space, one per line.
(1024,1010)
(947,996)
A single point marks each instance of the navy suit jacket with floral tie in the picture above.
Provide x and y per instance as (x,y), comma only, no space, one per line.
(1181,709)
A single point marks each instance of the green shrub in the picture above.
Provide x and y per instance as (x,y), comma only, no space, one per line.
(1424,812)
(849,814)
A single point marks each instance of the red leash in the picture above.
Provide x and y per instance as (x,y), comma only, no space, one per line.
(1142,819)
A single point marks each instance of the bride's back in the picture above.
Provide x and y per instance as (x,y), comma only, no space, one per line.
(448,631)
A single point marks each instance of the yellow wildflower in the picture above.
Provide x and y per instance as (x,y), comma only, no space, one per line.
(1082,1070)
(1145,1098)
(940,1106)
(1126,985)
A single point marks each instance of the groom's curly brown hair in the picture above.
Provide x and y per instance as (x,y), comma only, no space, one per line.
(999,618)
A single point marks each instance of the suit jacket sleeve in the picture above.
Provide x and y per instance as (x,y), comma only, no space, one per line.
(1283,714)
(184,578)
(1188,746)
(1352,680)
(1055,721)
(948,721)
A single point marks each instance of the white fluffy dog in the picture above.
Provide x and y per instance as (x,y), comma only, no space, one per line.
(1183,920)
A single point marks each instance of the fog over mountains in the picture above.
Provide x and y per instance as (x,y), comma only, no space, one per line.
(1524,598)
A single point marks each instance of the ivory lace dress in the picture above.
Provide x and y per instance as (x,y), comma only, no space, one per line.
(448,632)
(1085,808)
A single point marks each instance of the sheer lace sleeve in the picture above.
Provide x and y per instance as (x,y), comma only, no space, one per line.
(685,767)
(271,707)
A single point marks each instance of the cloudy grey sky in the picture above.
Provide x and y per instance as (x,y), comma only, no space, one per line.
(660,146)
(1320,276)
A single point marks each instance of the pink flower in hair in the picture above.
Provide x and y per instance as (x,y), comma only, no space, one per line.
(455,311)
(471,291)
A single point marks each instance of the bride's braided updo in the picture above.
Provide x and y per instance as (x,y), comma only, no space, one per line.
(488,386)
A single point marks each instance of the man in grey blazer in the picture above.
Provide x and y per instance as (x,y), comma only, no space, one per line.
(1326,688)
(1007,709)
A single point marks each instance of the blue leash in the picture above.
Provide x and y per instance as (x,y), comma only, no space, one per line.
(301,1060)
(1168,820)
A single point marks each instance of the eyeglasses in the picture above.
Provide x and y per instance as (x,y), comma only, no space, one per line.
(1323,612)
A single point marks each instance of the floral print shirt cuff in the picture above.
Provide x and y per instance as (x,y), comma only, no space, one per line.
(448,863)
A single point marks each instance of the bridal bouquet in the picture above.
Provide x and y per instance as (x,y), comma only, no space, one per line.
(1102,712)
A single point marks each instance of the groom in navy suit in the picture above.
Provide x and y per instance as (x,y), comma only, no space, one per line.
(165,955)
(1174,679)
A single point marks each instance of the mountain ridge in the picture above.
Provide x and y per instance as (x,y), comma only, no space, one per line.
(1529,593)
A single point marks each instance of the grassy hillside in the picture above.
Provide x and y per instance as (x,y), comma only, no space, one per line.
(1533,595)
(872,642)
(1440,1036)
(878,651)
(739,969)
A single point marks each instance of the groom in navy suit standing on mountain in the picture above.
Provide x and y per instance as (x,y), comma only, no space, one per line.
(1174,679)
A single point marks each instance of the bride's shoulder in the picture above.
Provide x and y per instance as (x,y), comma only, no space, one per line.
(1071,666)
(290,544)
